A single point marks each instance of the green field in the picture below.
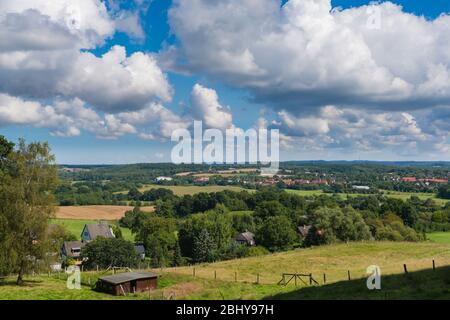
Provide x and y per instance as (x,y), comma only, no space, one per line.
(76,227)
(236,278)
(333,260)
(439,237)
(190,190)
(392,194)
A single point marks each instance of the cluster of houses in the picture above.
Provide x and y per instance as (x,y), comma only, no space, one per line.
(426,180)
(72,249)
(293,182)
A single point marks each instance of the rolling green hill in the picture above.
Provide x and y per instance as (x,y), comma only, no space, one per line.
(236,279)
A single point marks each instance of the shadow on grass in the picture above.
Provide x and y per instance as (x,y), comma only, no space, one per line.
(424,284)
(26,283)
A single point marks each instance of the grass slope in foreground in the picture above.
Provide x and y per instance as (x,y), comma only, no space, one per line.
(424,284)
(334,260)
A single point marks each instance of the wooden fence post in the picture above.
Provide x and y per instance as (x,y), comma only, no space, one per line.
(405,268)
(349,276)
(235,276)
(434,265)
(257,278)
(193,272)
(215,275)
(324,278)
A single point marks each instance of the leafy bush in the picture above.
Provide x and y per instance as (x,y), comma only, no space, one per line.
(334,224)
(276,233)
(106,252)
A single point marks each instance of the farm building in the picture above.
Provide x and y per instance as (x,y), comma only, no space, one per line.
(367,188)
(72,249)
(159,179)
(129,282)
(303,231)
(246,238)
(92,231)
(140,251)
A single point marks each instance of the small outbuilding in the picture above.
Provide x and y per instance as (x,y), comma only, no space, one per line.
(129,282)
(140,251)
(303,231)
(245,238)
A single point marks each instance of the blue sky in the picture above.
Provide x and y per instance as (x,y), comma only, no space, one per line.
(319,118)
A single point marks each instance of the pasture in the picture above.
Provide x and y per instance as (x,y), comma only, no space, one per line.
(75,226)
(97,212)
(236,279)
(333,260)
(391,194)
(191,190)
(439,237)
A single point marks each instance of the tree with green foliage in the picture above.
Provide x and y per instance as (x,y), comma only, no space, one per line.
(28,178)
(268,209)
(334,224)
(177,258)
(6,148)
(218,224)
(276,233)
(159,237)
(204,249)
(157,194)
(116,231)
(165,208)
(134,219)
(444,192)
(134,194)
(108,252)
(243,221)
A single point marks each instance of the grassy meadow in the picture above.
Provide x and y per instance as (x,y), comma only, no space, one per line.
(392,194)
(439,237)
(333,260)
(190,190)
(76,226)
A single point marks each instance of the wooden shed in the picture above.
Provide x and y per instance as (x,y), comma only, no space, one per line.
(129,282)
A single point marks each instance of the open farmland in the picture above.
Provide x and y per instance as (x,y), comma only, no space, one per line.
(391,194)
(97,212)
(75,227)
(190,190)
(333,260)
(439,237)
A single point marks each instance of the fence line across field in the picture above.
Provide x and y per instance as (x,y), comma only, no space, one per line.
(287,278)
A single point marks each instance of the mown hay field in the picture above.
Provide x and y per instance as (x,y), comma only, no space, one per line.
(97,212)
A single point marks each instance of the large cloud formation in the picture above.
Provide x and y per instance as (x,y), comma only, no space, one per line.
(45,63)
(365,78)
(305,54)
